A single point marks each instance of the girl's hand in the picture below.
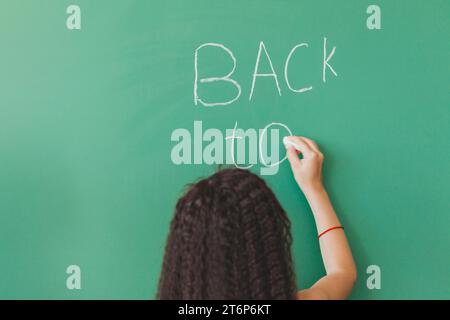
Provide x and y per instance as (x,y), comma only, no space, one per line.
(308,170)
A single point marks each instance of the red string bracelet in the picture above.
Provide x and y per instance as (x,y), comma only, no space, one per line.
(328,230)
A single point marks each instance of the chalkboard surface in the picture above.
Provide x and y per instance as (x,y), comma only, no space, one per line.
(89,116)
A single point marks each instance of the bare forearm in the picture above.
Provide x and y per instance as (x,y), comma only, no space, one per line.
(336,253)
(322,209)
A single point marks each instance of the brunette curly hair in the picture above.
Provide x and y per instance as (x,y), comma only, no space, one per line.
(229,239)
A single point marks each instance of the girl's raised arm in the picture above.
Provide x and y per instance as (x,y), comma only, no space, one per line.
(336,254)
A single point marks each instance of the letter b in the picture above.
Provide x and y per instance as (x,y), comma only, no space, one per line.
(225,78)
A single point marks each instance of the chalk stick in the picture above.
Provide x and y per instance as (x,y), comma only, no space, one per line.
(288,142)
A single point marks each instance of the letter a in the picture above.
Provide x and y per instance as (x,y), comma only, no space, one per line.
(374,280)
(256,74)
(74,280)
(74,19)
(374,20)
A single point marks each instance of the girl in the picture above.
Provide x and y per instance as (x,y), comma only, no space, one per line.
(230,238)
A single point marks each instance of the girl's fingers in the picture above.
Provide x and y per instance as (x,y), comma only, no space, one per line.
(292,156)
(312,144)
(300,144)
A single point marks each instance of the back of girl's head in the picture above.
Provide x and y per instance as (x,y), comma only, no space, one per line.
(229,239)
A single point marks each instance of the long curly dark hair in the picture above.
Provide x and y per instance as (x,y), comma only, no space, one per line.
(229,239)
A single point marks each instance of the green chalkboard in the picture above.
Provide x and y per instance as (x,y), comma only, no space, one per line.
(88,113)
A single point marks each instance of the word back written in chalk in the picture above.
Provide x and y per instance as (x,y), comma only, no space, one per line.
(262,52)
